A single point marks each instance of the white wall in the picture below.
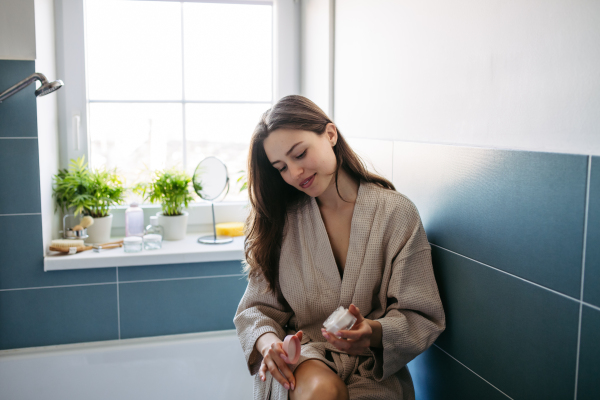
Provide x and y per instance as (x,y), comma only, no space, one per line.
(317,44)
(520,74)
(47,116)
(287,50)
(17,31)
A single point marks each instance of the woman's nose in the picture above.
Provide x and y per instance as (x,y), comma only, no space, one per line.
(296,171)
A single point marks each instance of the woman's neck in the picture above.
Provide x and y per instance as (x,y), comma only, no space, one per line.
(348,188)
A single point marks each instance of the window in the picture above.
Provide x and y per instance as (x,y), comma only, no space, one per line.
(167,83)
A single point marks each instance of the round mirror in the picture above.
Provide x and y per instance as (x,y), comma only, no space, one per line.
(210,178)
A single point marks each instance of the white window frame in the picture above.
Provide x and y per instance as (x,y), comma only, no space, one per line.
(70,48)
(73,103)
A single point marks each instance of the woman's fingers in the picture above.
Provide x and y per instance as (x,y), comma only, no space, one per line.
(276,374)
(299,335)
(278,366)
(262,372)
(351,335)
(356,312)
(285,370)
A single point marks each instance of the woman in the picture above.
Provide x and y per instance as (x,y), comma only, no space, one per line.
(325,232)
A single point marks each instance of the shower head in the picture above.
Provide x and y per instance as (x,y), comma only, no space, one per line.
(46,88)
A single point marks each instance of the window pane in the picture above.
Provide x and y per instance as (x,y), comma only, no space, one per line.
(133,50)
(136,138)
(222,131)
(228,51)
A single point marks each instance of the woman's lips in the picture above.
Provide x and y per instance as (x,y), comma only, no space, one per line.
(307,184)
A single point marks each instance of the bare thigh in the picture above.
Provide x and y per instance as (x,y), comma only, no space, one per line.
(315,380)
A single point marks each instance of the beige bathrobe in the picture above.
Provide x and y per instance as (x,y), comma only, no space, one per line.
(388,275)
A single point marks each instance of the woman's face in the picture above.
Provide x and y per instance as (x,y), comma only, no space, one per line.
(304,159)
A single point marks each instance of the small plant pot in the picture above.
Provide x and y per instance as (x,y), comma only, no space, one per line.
(174,227)
(99,231)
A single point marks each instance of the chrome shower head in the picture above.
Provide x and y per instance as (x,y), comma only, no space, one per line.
(46,88)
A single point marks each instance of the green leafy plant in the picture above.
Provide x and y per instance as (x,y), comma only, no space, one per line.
(170,188)
(243,179)
(87,192)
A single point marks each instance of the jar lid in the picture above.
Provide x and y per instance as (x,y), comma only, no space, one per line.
(132,239)
(152,236)
(134,204)
(153,220)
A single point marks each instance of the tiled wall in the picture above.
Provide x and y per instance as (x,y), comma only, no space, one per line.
(40,308)
(515,235)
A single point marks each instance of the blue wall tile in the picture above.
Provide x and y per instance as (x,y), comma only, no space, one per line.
(591,291)
(18,114)
(179,306)
(42,317)
(589,359)
(19,176)
(179,270)
(436,376)
(22,258)
(517,336)
(518,211)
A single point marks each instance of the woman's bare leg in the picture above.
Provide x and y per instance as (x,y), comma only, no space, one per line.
(315,380)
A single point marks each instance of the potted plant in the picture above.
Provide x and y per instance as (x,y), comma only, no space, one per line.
(90,193)
(170,188)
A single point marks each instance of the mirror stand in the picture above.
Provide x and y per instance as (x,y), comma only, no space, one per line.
(214,239)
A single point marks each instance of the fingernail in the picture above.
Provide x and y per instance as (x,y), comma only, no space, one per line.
(326,336)
(338,334)
(293,386)
(286,386)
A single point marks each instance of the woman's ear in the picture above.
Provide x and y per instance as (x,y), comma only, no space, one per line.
(331,132)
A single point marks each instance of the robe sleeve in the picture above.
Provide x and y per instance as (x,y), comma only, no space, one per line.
(414,316)
(257,314)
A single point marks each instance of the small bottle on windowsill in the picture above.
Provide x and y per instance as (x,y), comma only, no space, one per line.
(153,235)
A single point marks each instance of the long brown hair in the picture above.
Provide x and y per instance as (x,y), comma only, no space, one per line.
(271,197)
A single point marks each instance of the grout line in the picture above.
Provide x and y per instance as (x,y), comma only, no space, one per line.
(508,273)
(585,225)
(182,279)
(591,306)
(59,286)
(26,137)
(182,101)
(472,371)
(15,215)
(118,305)
(122,282)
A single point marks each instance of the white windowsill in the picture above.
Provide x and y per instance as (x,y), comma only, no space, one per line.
(172,252)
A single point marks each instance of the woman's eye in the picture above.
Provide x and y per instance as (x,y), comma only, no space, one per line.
(300,156)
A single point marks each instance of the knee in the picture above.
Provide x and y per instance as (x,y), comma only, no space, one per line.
(325,389)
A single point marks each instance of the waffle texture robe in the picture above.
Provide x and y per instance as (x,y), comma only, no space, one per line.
(388,275)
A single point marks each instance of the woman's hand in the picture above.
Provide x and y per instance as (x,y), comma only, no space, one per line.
(356,340)
(276,362)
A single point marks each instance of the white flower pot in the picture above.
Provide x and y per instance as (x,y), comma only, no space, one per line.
(174,227)
(99,231)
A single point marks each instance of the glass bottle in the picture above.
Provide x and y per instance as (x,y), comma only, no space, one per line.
(153,235)
(134,220)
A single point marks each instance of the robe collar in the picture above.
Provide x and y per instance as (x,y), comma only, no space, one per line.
(335,289)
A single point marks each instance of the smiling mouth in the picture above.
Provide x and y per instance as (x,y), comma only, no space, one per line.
(307,181)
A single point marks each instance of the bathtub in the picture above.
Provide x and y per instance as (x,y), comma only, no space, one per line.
(207,365)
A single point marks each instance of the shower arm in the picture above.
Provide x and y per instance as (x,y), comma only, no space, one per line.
(22,85)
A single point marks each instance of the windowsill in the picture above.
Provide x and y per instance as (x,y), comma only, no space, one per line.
(187,250)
